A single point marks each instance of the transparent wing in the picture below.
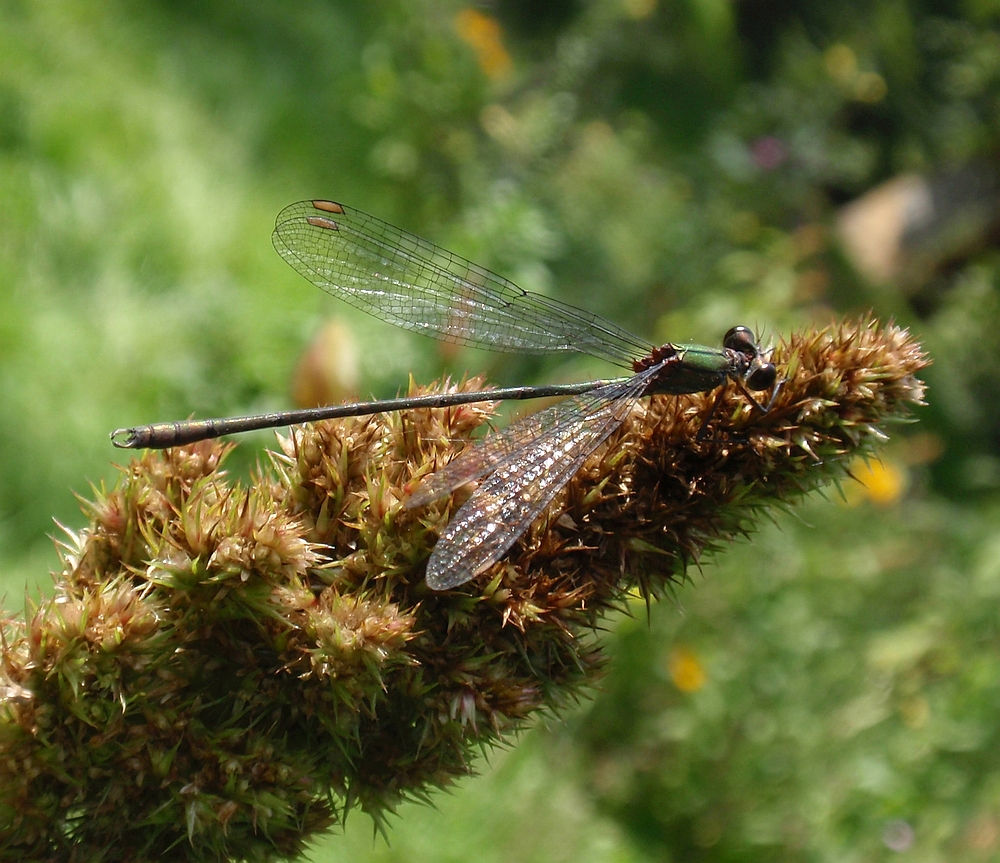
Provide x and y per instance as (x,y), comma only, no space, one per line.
(527,467)
(404,280)
(495,450)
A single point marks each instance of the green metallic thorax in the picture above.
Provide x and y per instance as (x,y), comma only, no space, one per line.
(694,369)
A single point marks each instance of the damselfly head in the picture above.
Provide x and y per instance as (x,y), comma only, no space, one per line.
(757,374)
(761,376)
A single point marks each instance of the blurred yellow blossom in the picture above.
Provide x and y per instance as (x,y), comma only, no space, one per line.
(880,481)
(686,670)
(485,36)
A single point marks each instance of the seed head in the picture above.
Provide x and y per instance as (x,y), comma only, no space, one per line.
(224,671)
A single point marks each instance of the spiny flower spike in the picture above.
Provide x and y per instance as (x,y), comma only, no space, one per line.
(224,671)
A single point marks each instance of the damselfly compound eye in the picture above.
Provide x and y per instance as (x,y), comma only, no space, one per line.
(743,340)
(762,377)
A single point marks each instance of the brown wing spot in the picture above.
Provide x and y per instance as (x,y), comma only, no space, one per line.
(329,207)
(322,222)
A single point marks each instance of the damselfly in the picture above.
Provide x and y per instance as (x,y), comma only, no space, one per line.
(407,281)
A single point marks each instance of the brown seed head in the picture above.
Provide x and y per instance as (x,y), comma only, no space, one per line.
(227,670)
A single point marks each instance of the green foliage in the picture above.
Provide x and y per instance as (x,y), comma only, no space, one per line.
(849,684)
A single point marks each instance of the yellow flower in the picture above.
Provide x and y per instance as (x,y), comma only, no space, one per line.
(686,670)
(485,36)
(881,481)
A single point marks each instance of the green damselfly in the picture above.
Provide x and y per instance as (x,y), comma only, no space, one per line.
(414,284)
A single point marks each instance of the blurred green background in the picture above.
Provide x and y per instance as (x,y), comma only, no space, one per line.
(829,690)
